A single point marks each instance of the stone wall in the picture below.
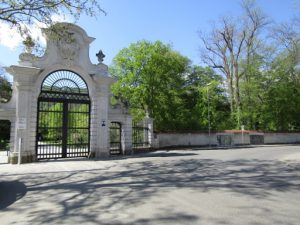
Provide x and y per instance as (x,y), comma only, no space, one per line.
(282,138)
(184,139)
(162,140)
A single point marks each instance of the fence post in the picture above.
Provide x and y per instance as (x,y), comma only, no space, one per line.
(148,123)
(127,136)
(19,152)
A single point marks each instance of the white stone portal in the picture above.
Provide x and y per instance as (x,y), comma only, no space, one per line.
(64,54)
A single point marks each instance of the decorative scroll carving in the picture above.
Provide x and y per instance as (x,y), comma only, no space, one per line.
(68,48)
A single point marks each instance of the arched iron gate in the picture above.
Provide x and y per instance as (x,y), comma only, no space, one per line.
(63,118)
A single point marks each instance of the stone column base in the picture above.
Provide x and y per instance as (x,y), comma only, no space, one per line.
(28,158)
(128,152)
(101,155)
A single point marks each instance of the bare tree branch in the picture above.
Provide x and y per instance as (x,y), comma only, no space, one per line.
(18,13)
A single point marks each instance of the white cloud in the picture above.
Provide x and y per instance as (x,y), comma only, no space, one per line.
(10,37)
(61,18)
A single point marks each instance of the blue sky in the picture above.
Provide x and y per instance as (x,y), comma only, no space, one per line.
(175,22)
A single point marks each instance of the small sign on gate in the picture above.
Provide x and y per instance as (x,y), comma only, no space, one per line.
(22,123)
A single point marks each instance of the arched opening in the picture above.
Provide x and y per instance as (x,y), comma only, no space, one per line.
(63,119)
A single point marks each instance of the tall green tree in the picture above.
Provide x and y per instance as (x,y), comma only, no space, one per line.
(150,76)
(205,101)
(281,95)
(231,43)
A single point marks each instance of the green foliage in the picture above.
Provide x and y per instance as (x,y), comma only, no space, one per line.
(5,95)
(251,90)
(4,134)
(150,76)
(201,99)
(262,76)
(155,79)
(28,42)
(281,108)
(270,96)
(51,122)
(5,89)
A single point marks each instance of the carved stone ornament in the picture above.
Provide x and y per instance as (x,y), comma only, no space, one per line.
(100,55)
(68,48)
(27,57)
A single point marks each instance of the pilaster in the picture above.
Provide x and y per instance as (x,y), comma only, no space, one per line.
(24,127)
(126,138)
(100,121)
(148,123)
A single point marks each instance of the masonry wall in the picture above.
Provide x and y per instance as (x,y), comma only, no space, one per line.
(184,139)
(282,138)
(162,140)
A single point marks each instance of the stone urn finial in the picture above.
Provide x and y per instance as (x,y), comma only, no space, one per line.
(100,56)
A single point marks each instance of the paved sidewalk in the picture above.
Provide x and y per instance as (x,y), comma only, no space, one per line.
(250,186)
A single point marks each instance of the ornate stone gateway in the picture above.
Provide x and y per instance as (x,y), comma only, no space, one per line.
(61,104)
(63,127)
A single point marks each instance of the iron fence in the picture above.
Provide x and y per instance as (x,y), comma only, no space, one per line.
(115,138)
(140,136)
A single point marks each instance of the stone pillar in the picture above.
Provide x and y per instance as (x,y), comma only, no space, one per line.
(94,124)
(99,121)
(126,138)
(103,126)
(26,104)
(99,126)
(148,123)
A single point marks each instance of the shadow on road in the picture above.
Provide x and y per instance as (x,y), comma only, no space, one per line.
(133,184)
(10,192)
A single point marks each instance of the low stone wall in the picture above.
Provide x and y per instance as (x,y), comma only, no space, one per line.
(282,138)
(162,140)
(184,139)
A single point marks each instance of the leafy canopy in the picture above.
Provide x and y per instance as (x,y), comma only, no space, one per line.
(150,75)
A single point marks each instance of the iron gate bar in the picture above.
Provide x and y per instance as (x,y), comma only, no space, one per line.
(65,131)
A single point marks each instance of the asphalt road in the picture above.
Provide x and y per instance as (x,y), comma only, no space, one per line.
(250,186)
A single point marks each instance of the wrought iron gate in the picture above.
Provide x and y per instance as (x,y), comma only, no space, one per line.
(140,136)
(115,138)
(63,120)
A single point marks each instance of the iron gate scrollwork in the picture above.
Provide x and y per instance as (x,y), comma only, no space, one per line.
(63,119)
